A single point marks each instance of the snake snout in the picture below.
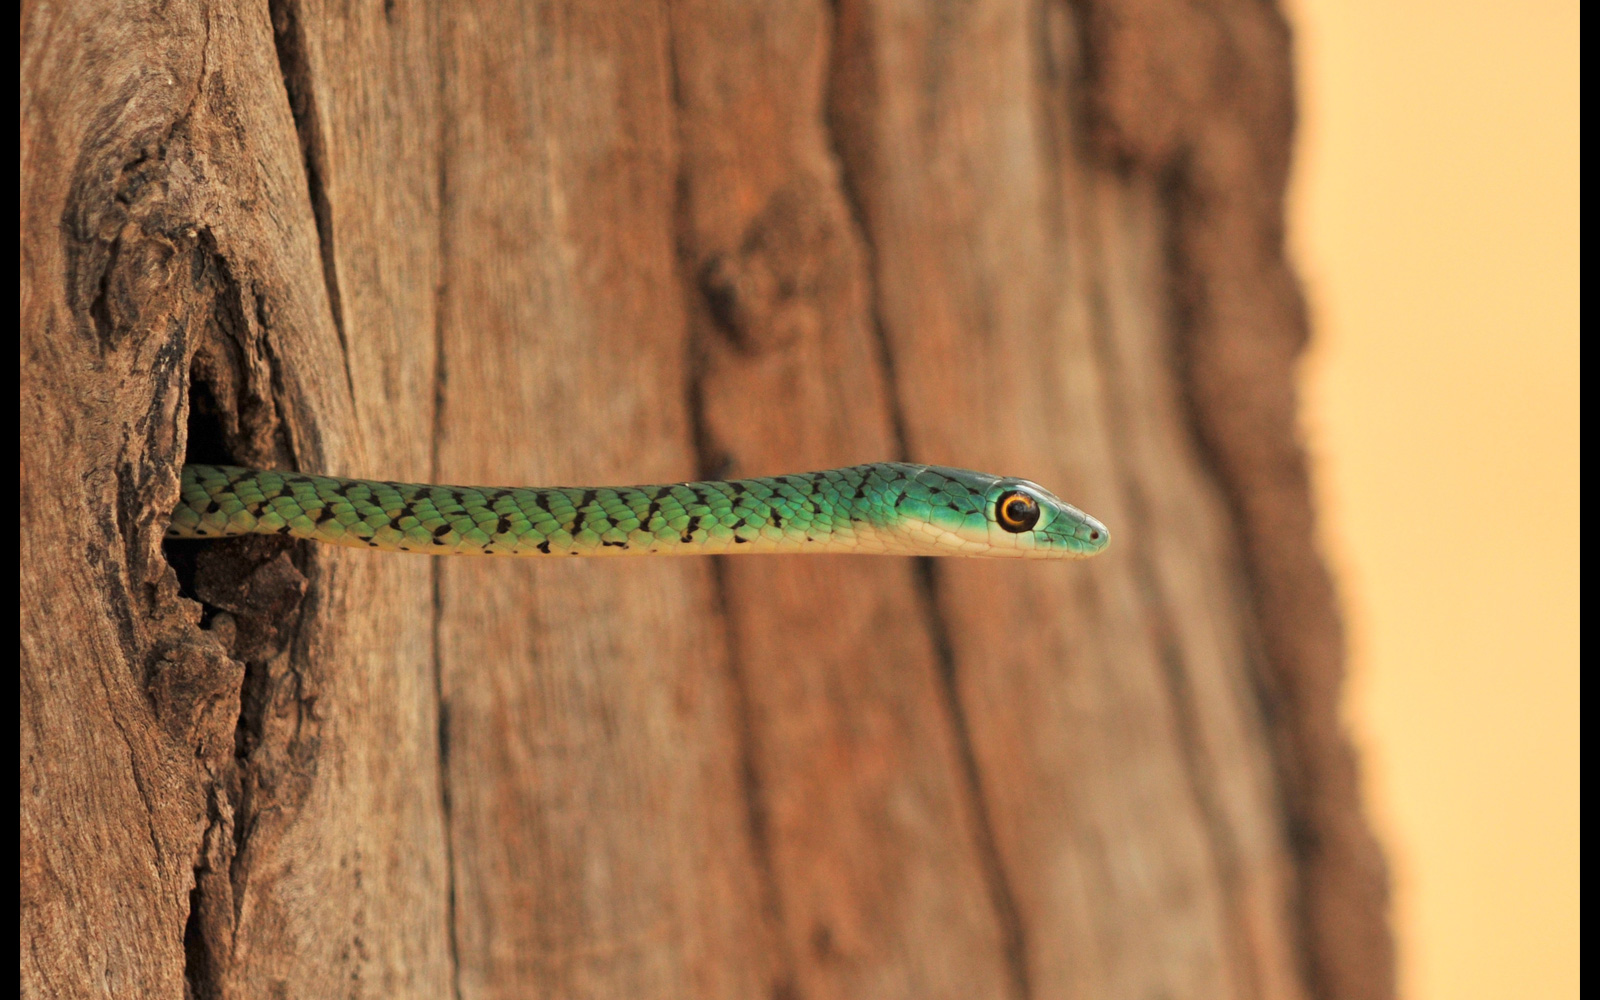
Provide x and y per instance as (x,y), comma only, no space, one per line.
(1079,534)
(1095,533)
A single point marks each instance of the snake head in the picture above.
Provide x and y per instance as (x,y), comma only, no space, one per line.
(983,515)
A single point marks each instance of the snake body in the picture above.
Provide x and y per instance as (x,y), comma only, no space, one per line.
(884,508)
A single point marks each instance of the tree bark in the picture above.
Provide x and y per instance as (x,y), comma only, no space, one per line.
(561,243)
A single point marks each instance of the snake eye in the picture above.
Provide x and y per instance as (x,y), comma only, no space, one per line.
(1016,511)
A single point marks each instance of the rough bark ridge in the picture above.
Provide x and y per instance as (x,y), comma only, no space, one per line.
(561,243)
(1219,146)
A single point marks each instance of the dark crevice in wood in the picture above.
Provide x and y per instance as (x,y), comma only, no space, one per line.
(444,208)
(230,337)
(119,573)
(250,591)
(99,307)
(1202,777)
(1197,765)
(205,442)
(204,951)
(1056,57)
(784,983)
(1230,375)
(298,83)
(849,188)
(712,461)
(199,974)
(1177,192)
(1221,151)
(229,420)
(1008,915)
(441,301)
(255,591)
(267,625)
(205,437)
(1178,196)
(446,805)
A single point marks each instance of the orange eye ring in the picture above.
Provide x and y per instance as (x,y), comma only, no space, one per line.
(1016,511)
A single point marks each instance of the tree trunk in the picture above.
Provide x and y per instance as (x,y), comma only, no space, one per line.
(564,243)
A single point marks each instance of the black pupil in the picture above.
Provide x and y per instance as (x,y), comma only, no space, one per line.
(1017,509)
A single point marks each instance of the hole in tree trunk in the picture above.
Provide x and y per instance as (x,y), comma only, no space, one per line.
(205,441)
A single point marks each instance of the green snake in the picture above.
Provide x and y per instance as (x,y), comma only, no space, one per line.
(890,508)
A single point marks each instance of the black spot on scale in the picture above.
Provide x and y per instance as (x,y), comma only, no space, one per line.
(440,532)
(213,507)
(284,530)
(739,541)
(777,518)
(615,545)
(543,547)
(503,527)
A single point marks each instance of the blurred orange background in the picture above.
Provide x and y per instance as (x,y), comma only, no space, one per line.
(1435,221)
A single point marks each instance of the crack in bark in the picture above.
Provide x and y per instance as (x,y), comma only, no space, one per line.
(441,297)
(222,865)
(1177,190)
(1197,767)
(1008,915)
(708,459)
(290,41)
(1221,152)
(711,462)
(784,983)
(203,967)
(860,223)
(446,806)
